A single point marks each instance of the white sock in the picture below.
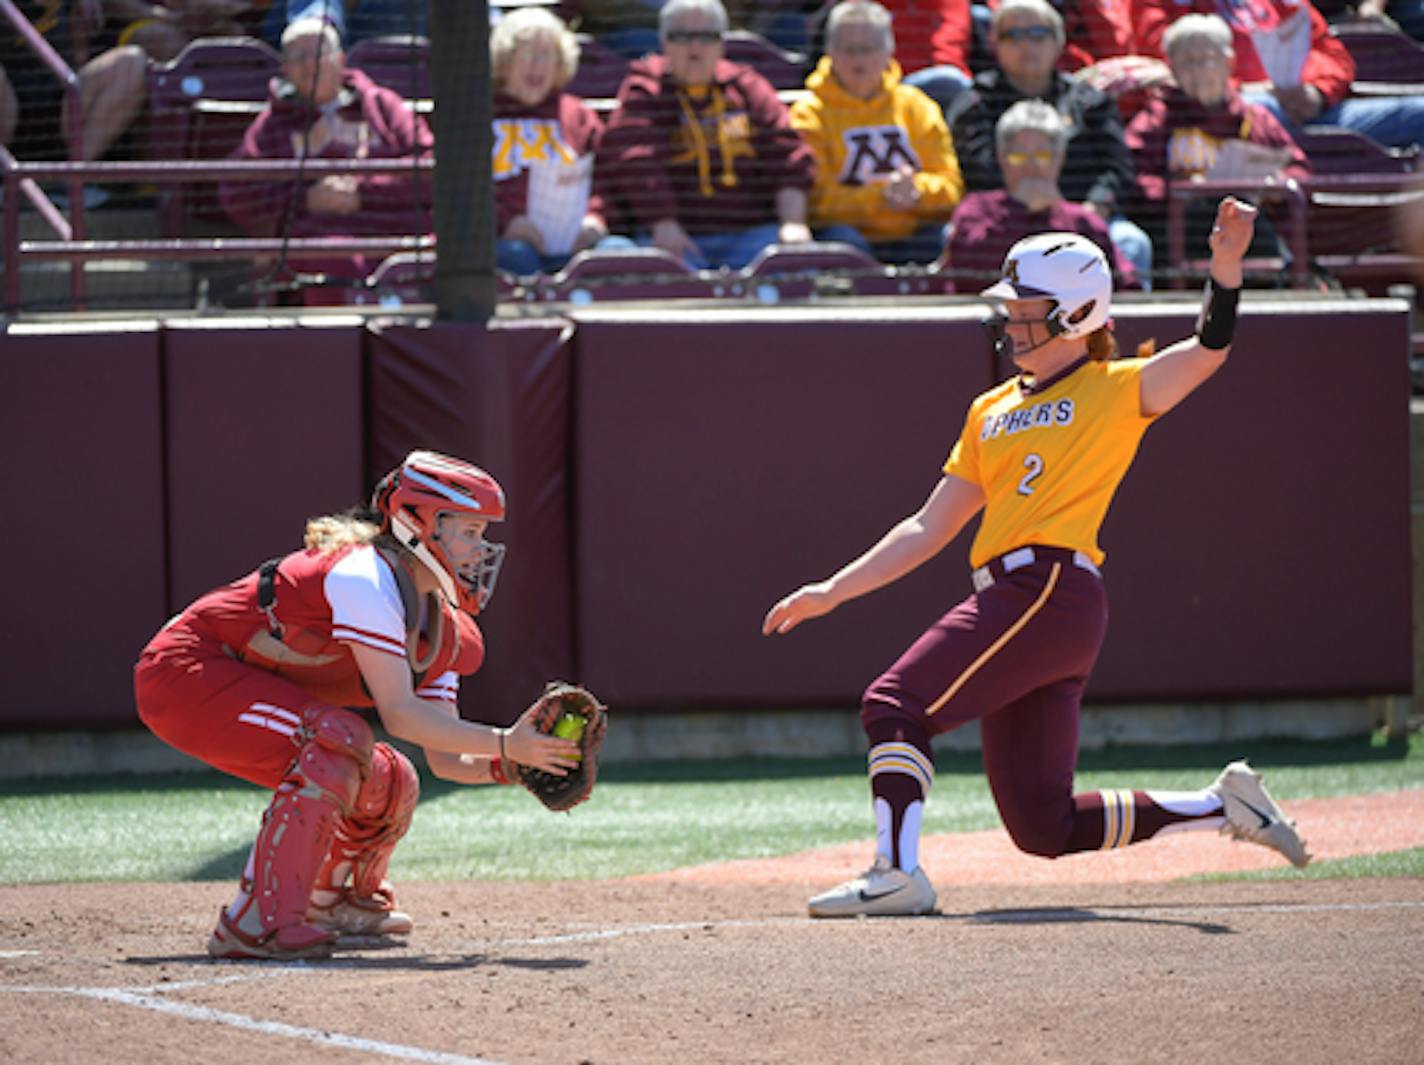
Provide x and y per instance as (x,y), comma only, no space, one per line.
(1188,803)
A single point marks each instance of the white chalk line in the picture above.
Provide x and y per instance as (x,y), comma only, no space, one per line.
(151,999)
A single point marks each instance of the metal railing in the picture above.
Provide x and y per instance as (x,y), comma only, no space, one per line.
(73,248)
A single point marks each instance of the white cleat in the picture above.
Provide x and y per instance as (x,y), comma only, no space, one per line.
(881,891)
(1251,814)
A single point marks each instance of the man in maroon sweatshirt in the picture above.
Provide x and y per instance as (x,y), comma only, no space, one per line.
(700,152)
(322,109)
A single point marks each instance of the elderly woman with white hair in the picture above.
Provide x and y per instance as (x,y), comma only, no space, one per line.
(1028,39)
(701,151)
(545,140)
(1203,127)
(1031,140)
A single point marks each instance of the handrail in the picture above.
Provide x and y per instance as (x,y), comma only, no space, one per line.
(74,103)
(75,249)
(1289,191)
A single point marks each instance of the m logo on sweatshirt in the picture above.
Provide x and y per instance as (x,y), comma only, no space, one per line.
(874,153)
(521,141)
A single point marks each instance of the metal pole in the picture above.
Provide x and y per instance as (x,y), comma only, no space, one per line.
(464,189)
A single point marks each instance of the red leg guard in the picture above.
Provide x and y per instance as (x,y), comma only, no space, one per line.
(320,788)
(367,836)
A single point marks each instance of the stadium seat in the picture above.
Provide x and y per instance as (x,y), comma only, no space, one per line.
(400,63)
(625,274)
(1354,195)
(785,70)
(1387,62)
(600,70)
(199,105)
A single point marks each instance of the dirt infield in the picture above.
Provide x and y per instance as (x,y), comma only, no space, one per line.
(1099,958)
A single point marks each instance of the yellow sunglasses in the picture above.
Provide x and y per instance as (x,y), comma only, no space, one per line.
(1041,157)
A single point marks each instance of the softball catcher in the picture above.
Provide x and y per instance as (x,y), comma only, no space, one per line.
(1041,455)
(256,678)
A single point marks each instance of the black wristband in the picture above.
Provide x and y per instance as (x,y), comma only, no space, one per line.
(1217,323)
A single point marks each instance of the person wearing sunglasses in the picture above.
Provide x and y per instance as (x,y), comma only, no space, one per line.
(1028,39)
(885,172)
(700,152)
(1030,140)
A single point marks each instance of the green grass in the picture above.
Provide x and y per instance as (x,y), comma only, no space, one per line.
(643,818)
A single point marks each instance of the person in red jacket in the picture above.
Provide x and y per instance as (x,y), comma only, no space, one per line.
(546,204)
(933,39)
(1287,60)
(700,151)
(322,109)
(257,679)
(1204,128)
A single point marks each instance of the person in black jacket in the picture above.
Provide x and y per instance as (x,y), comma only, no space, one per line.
(1028,38)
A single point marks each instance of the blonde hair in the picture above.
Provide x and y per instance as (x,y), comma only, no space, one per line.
(332,532)
(525,25)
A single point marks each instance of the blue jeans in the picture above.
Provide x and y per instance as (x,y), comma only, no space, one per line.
(522,259)
(1394,121)
(732,249)
(843,234)
(1136,246)
(922,246)
(941,84)
(369,18)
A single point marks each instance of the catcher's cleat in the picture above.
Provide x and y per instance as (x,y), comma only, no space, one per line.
(881,891)
(352,915)
(292,943)
(1251,814)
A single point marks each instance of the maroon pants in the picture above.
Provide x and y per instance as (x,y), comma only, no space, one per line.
(1015,655)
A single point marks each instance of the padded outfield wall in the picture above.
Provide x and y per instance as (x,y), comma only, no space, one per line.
(672,472)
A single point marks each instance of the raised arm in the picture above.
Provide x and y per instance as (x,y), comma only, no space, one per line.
(912,542)
(1172,375)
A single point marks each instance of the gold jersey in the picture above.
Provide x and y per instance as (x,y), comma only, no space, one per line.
(1048,460)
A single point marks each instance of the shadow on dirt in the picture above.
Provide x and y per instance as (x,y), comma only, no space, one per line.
(1076,915)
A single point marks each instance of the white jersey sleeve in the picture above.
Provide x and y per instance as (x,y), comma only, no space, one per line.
(445,687)
(366,603)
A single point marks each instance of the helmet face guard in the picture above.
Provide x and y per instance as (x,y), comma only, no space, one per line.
(414,497)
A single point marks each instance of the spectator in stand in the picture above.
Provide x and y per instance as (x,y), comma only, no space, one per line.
(933,40)
(1100,49)
(544,143)
(35,123)
(1028,39)
(1031,141)
(700,150)
(1308,90)
(1200,130)
(322,109)
(886,176)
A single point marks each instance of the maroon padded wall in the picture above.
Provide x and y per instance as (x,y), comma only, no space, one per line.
(265,430)
(83,535)
(1258,548)
(499,397)
(1260,545)
(724,459)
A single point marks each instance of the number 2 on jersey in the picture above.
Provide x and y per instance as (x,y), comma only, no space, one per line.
(1033,463)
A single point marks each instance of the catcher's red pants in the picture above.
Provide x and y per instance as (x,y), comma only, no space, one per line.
(237,718)
(1016,655)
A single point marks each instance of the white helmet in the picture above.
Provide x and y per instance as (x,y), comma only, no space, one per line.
(1068,269)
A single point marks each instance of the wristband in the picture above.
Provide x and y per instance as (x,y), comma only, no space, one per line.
(1217,323)
(497,773)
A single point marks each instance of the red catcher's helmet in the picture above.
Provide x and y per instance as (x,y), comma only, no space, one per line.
(411,499)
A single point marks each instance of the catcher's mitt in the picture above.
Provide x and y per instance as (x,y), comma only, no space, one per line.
(566,703)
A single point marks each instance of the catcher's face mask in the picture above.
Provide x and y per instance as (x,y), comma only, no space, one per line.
(473,561)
